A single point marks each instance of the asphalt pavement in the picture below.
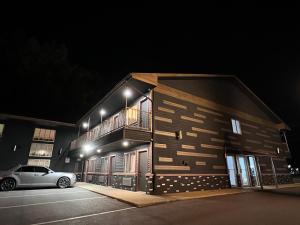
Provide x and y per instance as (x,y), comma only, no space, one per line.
(80,206)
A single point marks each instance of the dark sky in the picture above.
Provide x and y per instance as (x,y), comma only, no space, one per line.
(97,49)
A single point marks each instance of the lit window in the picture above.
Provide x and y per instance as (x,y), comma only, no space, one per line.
(236,126)
(44,135)
(1,129)
(132,115)
(39,162)
(41,150)
(129,159)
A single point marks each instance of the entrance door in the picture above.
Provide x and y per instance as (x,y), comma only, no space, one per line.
(231,170)
(112,169)
(253,171)
(243,170)
(144,112)
(142,171)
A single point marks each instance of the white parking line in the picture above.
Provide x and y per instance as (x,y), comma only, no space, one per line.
(85,216)
(44,194)
(45,203)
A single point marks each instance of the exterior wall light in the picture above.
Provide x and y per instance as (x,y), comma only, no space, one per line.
(127,93)
(87,147)
(102,112)
(125,143)
(85,125)
(81,155)
(98,150)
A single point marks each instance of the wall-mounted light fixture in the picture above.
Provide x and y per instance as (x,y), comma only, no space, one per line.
(125,143)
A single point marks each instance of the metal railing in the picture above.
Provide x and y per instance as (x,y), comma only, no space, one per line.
(131,117)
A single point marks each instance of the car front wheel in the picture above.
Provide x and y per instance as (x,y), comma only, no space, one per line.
(63,182)
(8,184)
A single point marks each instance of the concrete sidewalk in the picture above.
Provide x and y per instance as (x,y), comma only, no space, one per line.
(141,199)
(281,186)
(286,189)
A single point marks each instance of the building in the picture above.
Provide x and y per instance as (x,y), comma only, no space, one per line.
(25,140)
(163,133)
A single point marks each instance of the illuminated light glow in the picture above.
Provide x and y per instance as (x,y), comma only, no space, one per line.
(102,112)
(85,125)
(289,166)
(98,150)
(127,93)
(87,147)
(81,155)
(125,143)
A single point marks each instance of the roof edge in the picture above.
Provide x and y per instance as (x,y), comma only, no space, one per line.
(32,119)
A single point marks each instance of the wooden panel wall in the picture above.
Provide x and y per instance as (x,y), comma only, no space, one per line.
(205,134)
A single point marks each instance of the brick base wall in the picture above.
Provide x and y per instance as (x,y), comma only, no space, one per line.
(173,184)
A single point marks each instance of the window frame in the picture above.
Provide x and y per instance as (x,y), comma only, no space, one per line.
(44,134)
(236,126)
(130,162)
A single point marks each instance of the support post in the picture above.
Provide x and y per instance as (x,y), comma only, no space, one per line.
(274,173)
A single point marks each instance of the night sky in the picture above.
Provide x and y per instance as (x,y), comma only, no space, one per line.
(58,65)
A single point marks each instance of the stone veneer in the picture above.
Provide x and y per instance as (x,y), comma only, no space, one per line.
(173,184)
(117,182)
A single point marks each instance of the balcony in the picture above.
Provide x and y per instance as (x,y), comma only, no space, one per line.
(132,119)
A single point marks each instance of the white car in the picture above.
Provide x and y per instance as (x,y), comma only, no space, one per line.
(34,176)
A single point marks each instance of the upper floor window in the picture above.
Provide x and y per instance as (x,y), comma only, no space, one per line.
(44,135)
(1,129)
(236,126)
(41,150)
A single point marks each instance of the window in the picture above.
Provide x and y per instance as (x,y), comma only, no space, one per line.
(91,165)
(129,159)
(132,115)
(44,135)
(104,165)
(41,150)
(116,122)
(236,126)
(1,129)
(26,169)
(39,169)
(39,162)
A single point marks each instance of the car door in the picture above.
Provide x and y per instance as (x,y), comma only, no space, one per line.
(44,176)
(25,175)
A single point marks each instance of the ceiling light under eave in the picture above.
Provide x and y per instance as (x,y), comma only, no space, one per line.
(125,143)
(87,147)
(127,93)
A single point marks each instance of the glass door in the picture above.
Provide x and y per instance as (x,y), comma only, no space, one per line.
(231,170)
(243,170)
(253,171)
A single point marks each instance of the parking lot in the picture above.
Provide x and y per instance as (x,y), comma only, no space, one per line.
(78,206)
(46,206)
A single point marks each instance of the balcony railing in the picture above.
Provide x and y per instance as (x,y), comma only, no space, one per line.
(134,118)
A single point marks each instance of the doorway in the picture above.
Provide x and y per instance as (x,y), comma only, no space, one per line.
(144,113)
(142,170)
(112,170)
(232,170)
(242,170)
